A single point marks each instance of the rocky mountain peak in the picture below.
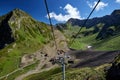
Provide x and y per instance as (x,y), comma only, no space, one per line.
(19,13)
(72,19)
(13,15)
(17,9)
(17,25)
(116,12)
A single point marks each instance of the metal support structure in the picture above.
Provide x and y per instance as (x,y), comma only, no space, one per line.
(63,69)
(61,59)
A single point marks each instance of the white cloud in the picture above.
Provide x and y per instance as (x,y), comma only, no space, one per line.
(117,1)
(100,6)
(71,12)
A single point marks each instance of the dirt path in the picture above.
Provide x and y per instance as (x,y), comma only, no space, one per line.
(5,76)
(37,70)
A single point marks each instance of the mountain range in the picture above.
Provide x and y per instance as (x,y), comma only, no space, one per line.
(105,26)
(108,20)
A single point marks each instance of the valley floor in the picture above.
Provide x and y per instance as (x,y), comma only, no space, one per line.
(83,59)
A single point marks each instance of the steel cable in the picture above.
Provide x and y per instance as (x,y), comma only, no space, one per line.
(53,34)
(84,23)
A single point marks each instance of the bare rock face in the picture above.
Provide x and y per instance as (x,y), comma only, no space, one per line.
(114,72)
(116,12)
(27,59)
(5,31)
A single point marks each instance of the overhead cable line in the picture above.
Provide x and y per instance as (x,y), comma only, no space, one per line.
(53,34)
(84,23)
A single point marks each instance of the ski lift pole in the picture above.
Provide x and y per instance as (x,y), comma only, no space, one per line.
(61,60)
(63,68)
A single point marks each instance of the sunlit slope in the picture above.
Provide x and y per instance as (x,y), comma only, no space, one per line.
(20,34)
(88,37)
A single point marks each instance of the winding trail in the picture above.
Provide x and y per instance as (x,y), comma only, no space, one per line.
(37,70)
(5,76)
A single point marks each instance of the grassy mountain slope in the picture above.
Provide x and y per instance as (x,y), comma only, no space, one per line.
(20,34)
(87,37)
(98,32)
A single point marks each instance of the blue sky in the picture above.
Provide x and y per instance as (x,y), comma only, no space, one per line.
(60,10)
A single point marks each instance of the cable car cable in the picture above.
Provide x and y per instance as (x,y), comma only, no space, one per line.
(53,34)
(84,23)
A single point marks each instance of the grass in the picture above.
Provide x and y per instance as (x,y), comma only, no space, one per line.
(109,44)
(11,60)
(81,42)
(44,75)
(77,44)
(80,74)
(71,74)
(22,71)
(29,38)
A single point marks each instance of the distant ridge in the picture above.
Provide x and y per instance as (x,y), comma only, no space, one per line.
(108,20)
(108,25)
